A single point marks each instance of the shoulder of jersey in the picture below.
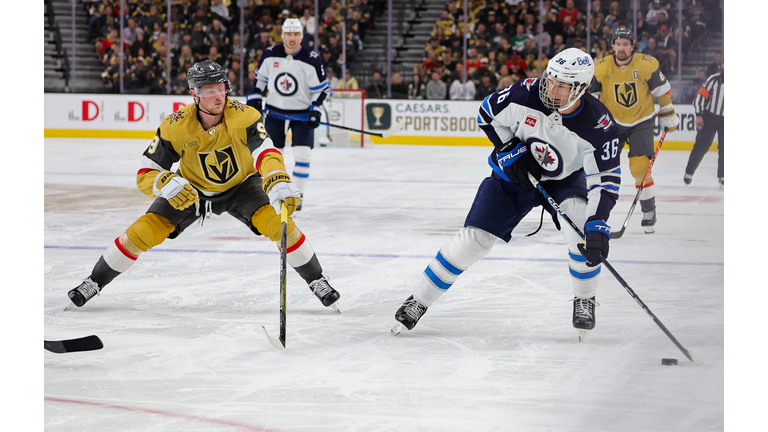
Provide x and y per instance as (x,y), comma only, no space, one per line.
(239,114)
(604,62)
(181,116)
(274,51)
(603,118)
(646,61)
(308,56)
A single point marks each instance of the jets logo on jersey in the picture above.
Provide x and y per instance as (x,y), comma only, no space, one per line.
(285,84)
(220,165)
(548,157)
(626,93)
(604,123)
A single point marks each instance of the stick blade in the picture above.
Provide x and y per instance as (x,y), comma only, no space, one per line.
(398,127)
(277,343)
(88,343)
(617,234)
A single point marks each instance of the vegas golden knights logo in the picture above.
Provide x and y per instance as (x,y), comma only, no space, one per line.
(626,93)
(220,165)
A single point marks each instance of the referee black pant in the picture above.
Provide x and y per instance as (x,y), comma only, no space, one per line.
(712,124)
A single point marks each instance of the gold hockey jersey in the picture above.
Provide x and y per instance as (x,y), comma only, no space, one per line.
(628,91)
(213,160)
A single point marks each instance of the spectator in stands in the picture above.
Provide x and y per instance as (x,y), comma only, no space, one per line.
(553,26)
(601,49)
(539,65)
(478,75)
(107,43)
(130,31)
(652,49)
(217,34)
(184,57)
(148,22)
(434,46)
(333,80)
(447,61)
(667,50)
(642,26)
(715,66)
(416,88)
(596,26)
(197,40)
(376,89)
(690,91)
(140,44)
(462,88)
(518,40)
(558,45)
(485,88)
(262,42)
(364,17)
(179,85)
(220,11)
(431,62)
(473,59)
(397,87)
(568,15)
(446,22)
(530,52)
(308,21)
(652,18)
(350,82)
(436,88)
(201,17)
(613,16)
(579,43)
(482,46)
(97,18)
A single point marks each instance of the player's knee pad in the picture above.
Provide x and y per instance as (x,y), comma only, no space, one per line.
(638,166)
(268,223)
(147,232)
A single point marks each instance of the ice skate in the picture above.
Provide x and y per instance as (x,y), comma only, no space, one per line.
(86,291)
(721,182)
(325,292)
(301,201)
(687,178)
(584,315)
(649,215)
(408,315)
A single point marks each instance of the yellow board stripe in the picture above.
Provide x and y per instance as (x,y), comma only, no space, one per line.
(395,140)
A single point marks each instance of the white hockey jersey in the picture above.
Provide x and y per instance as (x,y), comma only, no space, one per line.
(587,139)
(294,82)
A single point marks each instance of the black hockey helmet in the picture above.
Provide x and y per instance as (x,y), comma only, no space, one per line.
(207,72)
(623,33)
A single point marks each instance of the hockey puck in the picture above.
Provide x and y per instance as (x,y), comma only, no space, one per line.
(668,361)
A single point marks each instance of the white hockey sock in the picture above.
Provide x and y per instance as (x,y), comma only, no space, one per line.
(584,278)
(647,193)
(117,257)
(465,248)
(302,156)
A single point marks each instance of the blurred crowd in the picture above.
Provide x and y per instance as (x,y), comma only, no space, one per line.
(503,38)
(210,29)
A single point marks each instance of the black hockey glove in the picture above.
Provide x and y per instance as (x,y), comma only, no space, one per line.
(256,103)
(314,117)
(516,160)
(597,234)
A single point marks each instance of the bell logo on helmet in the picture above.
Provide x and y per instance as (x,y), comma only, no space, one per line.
(584,61)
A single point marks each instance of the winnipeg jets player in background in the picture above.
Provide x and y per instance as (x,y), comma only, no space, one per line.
(296,84)
(568,140)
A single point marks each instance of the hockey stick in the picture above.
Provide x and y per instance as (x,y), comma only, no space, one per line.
(386,134)
(612,270)
(619,233)
(88,343)
(280,343)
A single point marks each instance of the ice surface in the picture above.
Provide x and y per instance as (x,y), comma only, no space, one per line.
(184,351)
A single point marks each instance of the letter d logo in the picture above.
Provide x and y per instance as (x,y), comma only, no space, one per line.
(87,110)
(132,111)
(178,105)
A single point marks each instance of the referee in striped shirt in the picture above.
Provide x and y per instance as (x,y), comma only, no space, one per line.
(709,119)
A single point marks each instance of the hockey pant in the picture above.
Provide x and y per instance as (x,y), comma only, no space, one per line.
(152,229)
(471,244)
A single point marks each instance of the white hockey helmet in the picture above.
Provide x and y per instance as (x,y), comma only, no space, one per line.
(570,70)
(292,25)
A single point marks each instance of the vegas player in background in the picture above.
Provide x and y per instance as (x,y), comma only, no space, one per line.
(627,84)
(296,84)
(549,127)
(227,163)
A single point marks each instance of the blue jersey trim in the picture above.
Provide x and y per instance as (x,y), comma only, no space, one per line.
(581,107)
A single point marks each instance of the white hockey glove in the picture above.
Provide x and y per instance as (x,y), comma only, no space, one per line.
(278,187)
(176,189)
(668,119)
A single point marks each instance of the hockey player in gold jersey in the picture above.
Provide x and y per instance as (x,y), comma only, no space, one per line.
(627,84)
(227,163)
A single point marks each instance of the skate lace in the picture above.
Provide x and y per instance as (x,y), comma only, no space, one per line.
(89,289)
(649,215)
(584,307)
(414,309)
(321,288)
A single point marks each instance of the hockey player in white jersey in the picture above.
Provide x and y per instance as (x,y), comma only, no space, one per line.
(547,127)
(294,82)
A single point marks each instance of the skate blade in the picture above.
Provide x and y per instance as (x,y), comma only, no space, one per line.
(69,305)
(397,329)
(582,335)
(336,308)
(649,230)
